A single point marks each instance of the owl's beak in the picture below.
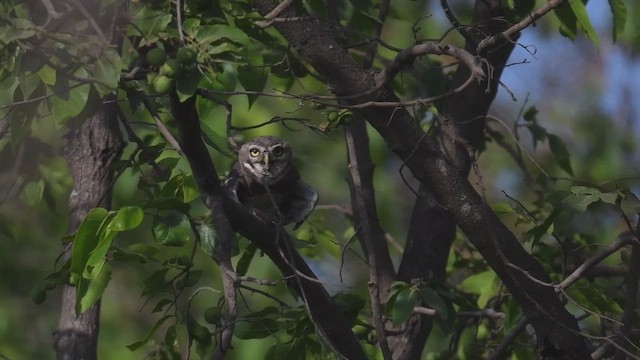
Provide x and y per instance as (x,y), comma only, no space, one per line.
(266,160)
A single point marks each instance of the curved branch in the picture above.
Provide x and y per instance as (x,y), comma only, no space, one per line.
(406,57)
(515,29)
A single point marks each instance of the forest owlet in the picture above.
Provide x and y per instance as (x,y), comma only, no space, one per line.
(266,162)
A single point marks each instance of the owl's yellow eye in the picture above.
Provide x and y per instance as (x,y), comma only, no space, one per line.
(277,151)
(254,152)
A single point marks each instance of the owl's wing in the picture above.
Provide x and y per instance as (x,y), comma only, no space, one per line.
(232,184)
(299,204)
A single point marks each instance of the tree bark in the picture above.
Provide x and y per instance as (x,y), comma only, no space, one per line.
(91,149)
(556,329)
(459,133)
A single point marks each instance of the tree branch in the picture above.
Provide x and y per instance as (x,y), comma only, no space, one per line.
(450,188)
(515,29)
(632,281)
(370,233)
(275,243)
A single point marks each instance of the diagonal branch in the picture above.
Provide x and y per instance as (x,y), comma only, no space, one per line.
(449,187)
(206,178)
(514,30)
(276,244)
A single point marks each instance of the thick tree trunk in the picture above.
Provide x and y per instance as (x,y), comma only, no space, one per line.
(91,149)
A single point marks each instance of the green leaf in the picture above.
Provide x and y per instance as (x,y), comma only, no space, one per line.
(350,304)
(483,284)
(560,152)
(630,204)
(215,140)
(89,292)
(47,75)
(502,208)
(32,192)
(291,350)
(403,305)
(21,29)
(609,197)
(138,344)
(580,11)
(161,304)
(170,336)
(106,71)
(568,21)
(8,87)
(171,228)
(86,239)
(213,33)
(71,98)
(619,12)
(538,231)
(187,83)
(435,301)
(593,298)
(256,328)
(208,239)
(127,218)
(149,21)
(252,78)
(245,260)
(581,197)
(512,316)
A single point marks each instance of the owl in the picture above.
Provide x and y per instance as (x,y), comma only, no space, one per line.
(264,178)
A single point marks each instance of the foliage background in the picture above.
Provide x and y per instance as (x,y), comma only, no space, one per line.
(585,93)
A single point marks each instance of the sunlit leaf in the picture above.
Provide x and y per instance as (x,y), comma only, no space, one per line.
(87,238)
(94,289)
(502,208)
(483,284)
(580,11)
(126,218)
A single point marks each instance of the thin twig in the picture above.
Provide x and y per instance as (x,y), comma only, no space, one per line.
(268,19)
(515,29)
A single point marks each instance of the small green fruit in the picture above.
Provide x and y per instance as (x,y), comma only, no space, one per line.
(162,84)
(201,334)
(156,57)
(38,295)
(332,116)
(213,315)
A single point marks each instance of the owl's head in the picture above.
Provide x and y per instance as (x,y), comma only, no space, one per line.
(266,158)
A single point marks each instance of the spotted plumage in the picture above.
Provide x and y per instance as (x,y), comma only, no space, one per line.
(264,176)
